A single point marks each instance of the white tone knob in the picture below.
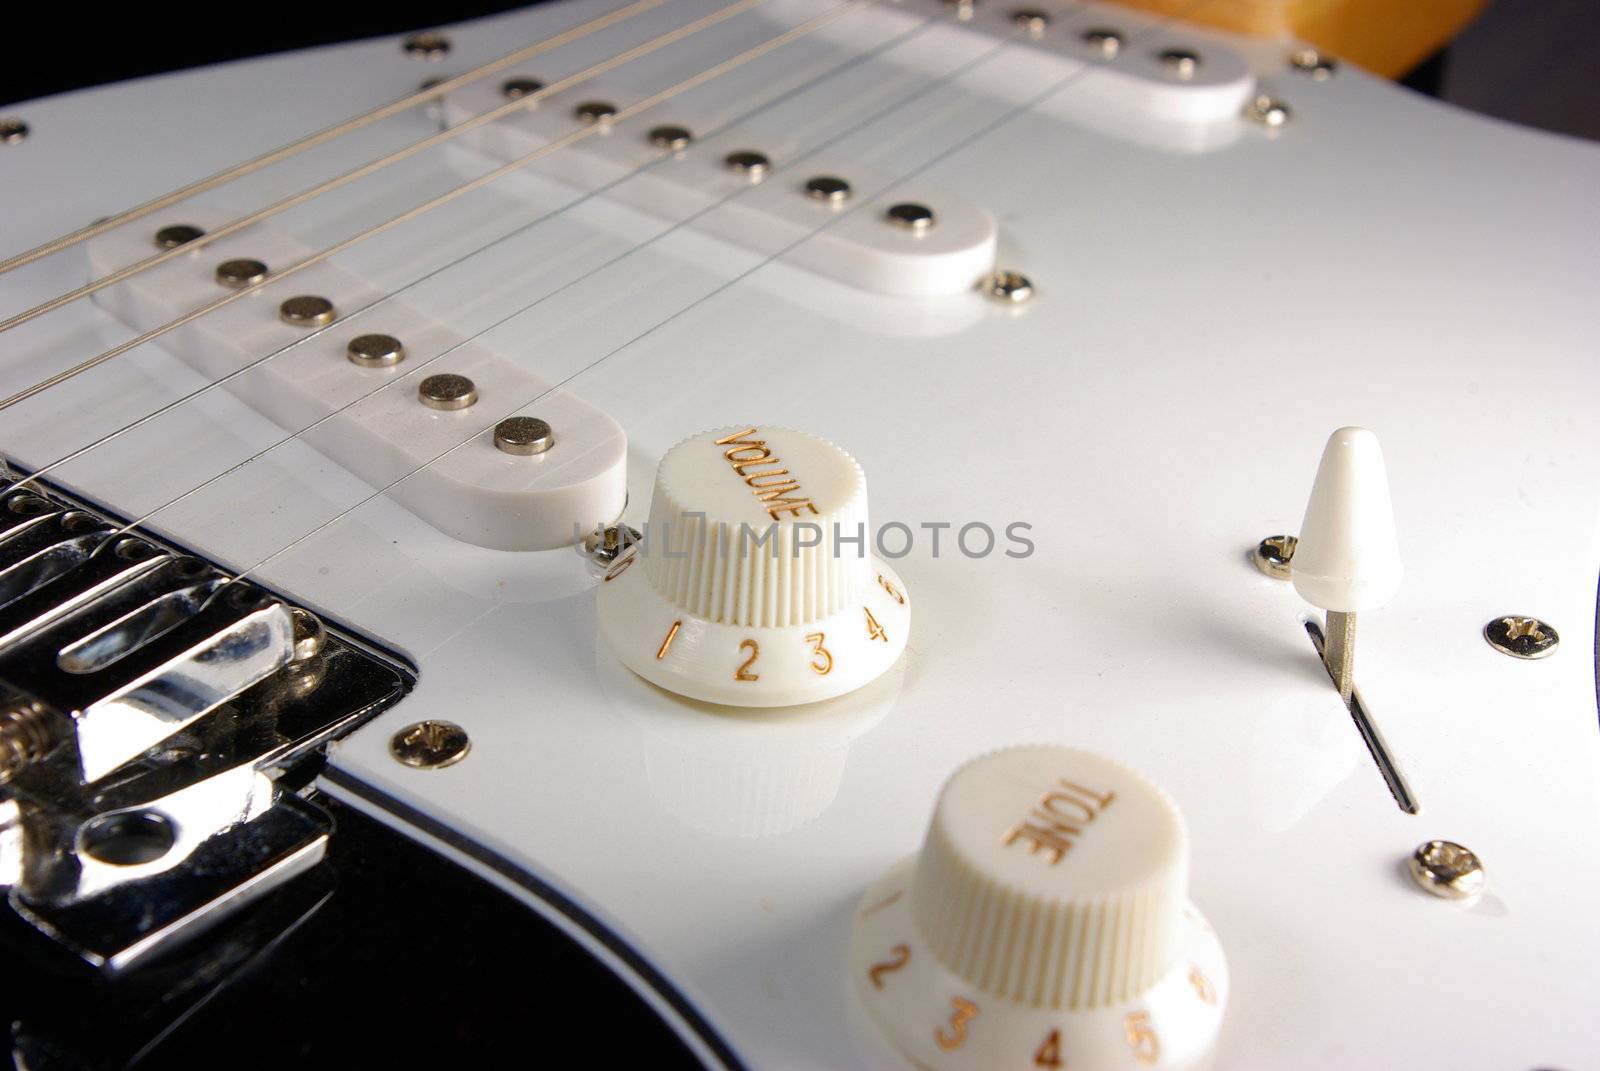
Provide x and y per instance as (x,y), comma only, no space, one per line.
(1044,924)
(1348,557)
(754,584)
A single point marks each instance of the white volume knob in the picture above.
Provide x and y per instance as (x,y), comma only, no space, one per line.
(1045,924)
(754,584)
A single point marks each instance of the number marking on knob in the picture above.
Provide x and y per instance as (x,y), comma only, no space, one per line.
(1142,1037)
(899,956)
(1049,1054)
(962,1012)
(874,630)
(661,652)
(1202,985)
(743,672)
(619,568)
(893,591)
(824,667)
(885,902)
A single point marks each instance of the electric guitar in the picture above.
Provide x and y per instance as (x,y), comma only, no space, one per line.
(797,534)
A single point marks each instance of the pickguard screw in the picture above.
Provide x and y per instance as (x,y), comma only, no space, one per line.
(12,131)
(177,234)
(1010,287)
(1310,61)
(426,46)
(1445,868)
(1273,555)
(307,310)
(1521,637)
(241,273)
(515,88)
(606,546)
(1268,111)
(430,745)
(447,392)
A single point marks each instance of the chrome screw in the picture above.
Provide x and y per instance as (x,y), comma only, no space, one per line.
(241,273)
(1268,111)
(1273,554)
(426,46)
(375,351)
(1521,637)
(307,310)
(607,545)
(514,88)
(523,435)
(749,163)
(828,188)
(430,745)
(1310,61)
(25,736)
(12,131)
(447,392)
(1447,869)
(176,235)
(1008,286)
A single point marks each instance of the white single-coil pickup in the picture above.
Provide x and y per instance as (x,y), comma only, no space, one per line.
(773,217)
(1119,72)
(478,494)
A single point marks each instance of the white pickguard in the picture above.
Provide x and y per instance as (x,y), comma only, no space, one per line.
(1205,315)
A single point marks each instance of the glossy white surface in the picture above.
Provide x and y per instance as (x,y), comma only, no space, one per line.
(1201,319)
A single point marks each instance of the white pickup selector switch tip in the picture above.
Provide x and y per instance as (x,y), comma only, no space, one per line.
(755,583)
(1348,557)
(1045,923)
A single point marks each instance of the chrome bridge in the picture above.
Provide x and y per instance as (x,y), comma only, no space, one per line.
(159,724)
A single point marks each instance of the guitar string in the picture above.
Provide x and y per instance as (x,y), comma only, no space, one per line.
(1056,87)
(311,141)
(371,167)
(671,229)
(40,473)
(416,211)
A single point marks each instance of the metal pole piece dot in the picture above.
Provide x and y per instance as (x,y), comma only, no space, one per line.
(1031,20)
(1273,555)
(515,88)
(427,46)
(523,435)
(1521,637)
(177,234)
(1268,111)
(911,216)
(1445,868)
(375,351)
(749,163)
(1107,42)
(1011,287)
(447,392)
(12,131)
(828,188)
(1181,63)
(595,111)
(1312,62)
(307,310)
(430,745)
(241,272)
(671,137)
